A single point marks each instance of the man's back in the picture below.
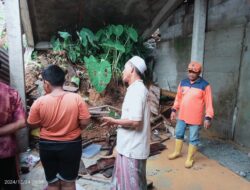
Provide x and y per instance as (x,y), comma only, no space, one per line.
(59,116)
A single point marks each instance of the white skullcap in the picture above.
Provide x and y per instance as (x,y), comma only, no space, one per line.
(139,63)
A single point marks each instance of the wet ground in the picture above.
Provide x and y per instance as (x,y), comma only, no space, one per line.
(207,173)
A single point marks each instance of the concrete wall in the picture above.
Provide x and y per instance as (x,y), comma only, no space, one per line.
(221,69)
(242,129)
(171,62)
(225,34)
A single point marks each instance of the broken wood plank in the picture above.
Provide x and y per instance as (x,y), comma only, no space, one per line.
(108,173)
(95,178)
(168,93)
(156,148)
(156,126)
(154,99)
(101,164)
(95,112)
(155,119)
(166,108)
(31,90)
(105,106)
(166,120)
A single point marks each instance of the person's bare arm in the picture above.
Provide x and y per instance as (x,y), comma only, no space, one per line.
(12,127)
(125,123)
(83,123)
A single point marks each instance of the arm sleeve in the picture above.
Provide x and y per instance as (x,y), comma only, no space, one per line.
(178,99)
(83,109)
(17,106)
(209,102)
(34,114)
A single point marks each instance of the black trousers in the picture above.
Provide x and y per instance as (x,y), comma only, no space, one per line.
(9,179)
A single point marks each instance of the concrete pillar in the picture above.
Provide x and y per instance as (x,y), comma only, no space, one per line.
(199,26)
(16,64)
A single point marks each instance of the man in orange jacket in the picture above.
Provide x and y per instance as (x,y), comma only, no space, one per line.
(193,96)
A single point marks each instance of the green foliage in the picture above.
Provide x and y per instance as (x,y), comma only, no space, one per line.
(34,55)
(86,37)
(99,72)
(104,52)
(114,114)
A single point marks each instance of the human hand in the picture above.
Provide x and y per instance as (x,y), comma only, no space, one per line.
(21,123)
(207,124)
(109,120)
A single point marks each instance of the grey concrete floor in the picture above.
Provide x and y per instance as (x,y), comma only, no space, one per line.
(227,154)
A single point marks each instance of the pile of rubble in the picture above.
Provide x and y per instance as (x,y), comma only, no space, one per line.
(160,101)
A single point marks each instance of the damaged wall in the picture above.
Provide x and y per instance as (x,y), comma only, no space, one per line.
(225,33)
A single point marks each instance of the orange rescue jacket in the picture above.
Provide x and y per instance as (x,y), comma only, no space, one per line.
(192,100)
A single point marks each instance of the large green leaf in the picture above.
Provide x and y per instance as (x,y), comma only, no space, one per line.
(83,39)
(72,54)
(99,34)
(86,36)
(117,30)
(89,60)
(64,35)
(114,45)
(99,72)
(132,34)
(118,46)
(108,31)
(57,45)
(108,43)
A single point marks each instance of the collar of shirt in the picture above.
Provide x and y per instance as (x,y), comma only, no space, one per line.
(196,81)
(134,83)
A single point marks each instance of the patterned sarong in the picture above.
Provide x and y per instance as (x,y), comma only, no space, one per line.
(129,174)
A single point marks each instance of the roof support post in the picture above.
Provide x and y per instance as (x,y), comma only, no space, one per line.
(199,26)
(16,63)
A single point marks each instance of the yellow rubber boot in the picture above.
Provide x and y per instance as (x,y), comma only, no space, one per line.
(177,151)
(191,151)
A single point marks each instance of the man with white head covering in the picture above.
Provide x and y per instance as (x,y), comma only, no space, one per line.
(133,134)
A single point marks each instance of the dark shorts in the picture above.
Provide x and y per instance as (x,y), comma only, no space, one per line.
(9,179)
(60,159)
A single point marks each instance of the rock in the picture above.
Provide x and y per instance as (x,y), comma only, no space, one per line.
(242,174)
